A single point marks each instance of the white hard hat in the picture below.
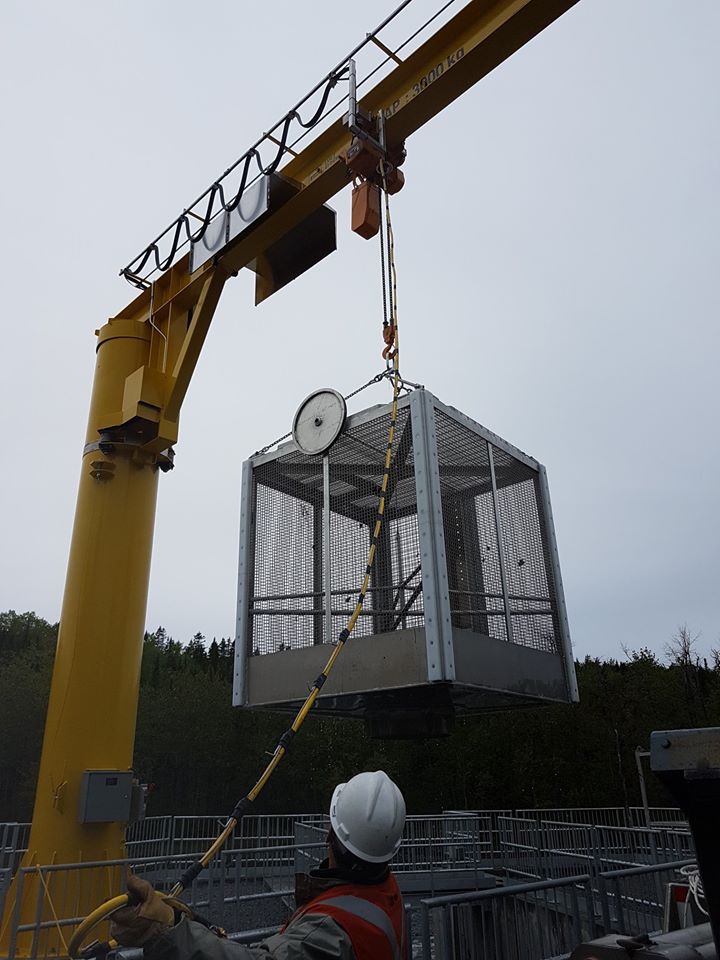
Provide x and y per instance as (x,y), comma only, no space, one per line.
(368,815)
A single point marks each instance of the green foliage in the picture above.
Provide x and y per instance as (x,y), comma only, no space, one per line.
(201,754)
(27,648)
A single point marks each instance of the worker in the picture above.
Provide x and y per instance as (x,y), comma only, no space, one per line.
(348,908)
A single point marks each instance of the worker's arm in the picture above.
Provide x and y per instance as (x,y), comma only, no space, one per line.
(312,937)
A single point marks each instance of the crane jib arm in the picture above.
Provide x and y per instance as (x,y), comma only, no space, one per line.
(479,37)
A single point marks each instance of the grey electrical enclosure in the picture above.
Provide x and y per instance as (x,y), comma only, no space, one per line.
(465,610)
(105,796)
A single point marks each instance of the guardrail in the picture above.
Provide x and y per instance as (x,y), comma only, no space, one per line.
(546,918)
(535,848)
(522,847)
(150,837)
(634,899)
(255,872)
(658,816)
(239,886)
(431,847)
(248,890)
(168,835)
(192,835)
(13,844)
(610,816)
(246,879)
(524,921)
(672,817)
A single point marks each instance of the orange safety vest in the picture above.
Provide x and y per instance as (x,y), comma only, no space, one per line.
(372,916)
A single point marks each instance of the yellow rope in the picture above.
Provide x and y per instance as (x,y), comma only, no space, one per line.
(104,911)
(302,713)
(52,907)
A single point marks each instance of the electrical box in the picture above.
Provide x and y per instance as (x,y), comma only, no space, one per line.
(465,610)
(105,796)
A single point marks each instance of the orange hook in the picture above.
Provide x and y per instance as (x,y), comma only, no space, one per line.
(389,338)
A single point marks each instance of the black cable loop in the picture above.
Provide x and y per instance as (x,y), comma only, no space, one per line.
(215,189)
(182,223)
(243,183)
(152,250)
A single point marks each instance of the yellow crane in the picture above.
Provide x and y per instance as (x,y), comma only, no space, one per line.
(145,358)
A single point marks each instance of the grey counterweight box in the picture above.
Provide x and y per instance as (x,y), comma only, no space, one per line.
(465,609)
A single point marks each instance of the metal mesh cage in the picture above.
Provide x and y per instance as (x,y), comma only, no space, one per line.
(464,609)
(289,590)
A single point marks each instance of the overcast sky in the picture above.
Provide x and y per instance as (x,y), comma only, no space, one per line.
(558,281)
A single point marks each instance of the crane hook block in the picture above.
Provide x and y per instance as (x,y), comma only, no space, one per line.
(366,209)
(362,158)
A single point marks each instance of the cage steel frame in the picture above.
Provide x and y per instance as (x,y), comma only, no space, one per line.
(465,610)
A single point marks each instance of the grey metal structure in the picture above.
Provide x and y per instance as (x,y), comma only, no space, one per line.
(465,610)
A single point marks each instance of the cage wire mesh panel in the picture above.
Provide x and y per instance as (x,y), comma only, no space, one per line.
(464,610)
(489,533)
(357,464)
(287,602)
(288,598)
(530,584)
(470,529)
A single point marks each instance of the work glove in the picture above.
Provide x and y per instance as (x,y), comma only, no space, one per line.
(144,919)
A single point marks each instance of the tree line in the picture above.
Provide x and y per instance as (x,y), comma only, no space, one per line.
(199,754)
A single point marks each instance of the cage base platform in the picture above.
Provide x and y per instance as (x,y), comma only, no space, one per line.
(382,679)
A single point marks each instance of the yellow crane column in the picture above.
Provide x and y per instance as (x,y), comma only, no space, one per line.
(94,693)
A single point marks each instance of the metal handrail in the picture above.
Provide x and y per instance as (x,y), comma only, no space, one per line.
(644,870)
(503,891)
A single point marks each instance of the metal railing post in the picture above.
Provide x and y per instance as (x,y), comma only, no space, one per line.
(619,904)
(425,932)
(596,849)
(15,922)
(539,859)
(39,898)
(605,904)
(590,908)
(5,877)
